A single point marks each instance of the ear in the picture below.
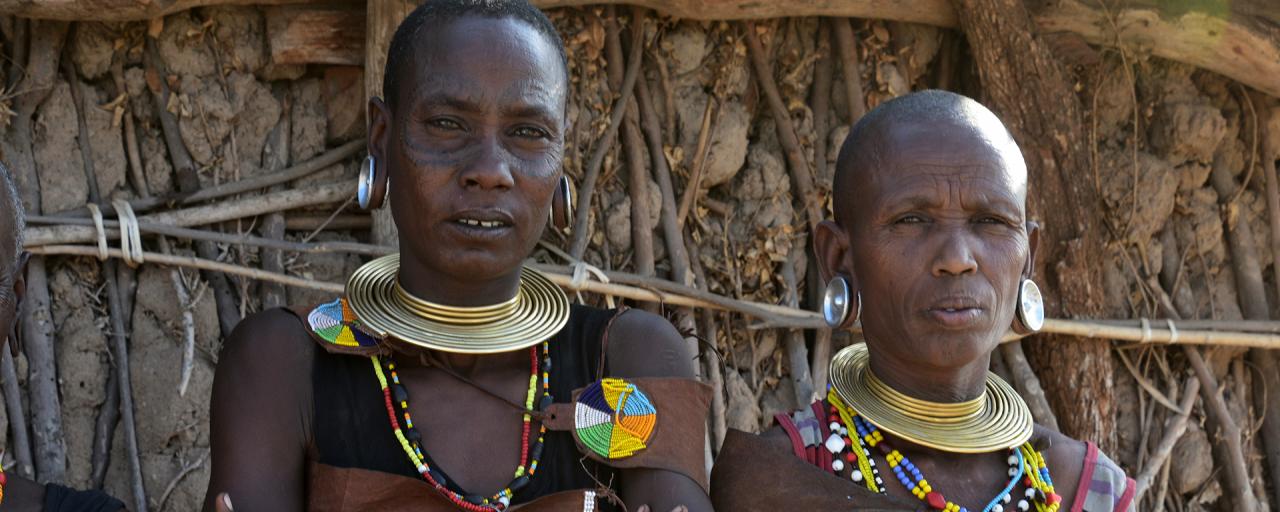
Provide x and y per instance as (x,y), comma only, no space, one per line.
(831,247)
(379,116)
(1033,245)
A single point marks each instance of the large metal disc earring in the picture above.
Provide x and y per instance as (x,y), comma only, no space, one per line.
(836,304)
(371,188)
(1030,317)
(562,205)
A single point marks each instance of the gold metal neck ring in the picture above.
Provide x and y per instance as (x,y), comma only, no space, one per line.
(998,419)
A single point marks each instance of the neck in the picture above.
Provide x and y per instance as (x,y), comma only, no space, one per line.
(943,385)
(450,290)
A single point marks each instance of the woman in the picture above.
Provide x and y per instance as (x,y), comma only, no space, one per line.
(449,376)
(932,251)
(18,494)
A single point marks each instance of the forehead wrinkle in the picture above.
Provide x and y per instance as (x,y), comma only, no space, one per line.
(448,85)
(964,189)
(531,93)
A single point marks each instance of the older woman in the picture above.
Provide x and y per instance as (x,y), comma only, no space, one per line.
(450,376)
(932,251)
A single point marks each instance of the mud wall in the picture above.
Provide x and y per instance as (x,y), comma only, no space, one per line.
(1159,130)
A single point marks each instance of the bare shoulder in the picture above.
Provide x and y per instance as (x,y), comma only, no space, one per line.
(270,345)
(1065,458)
(274,331)
(642,344)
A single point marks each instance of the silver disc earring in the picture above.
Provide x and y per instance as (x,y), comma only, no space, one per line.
(835,304)
(364,186)
(1030,317)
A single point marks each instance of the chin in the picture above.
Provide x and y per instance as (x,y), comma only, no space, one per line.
(951,350)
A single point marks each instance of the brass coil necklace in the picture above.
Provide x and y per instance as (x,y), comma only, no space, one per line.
(997,419)
(384,308)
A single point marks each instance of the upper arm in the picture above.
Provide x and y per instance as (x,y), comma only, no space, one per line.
(260,414)
(1065,457)
(642,344)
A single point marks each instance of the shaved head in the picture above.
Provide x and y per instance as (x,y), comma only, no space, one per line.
(897,127)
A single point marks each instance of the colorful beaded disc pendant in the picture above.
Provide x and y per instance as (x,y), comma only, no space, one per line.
(614,418)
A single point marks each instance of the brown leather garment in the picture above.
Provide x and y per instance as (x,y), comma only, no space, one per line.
(677,441)
(753,474)
(333,489)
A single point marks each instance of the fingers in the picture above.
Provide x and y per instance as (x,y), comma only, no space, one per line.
(224,503)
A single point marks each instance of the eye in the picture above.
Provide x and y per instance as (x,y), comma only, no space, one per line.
(444,123)
(993,219)
(531,132)
(910,218)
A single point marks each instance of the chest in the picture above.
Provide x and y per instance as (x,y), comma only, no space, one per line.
(474,432)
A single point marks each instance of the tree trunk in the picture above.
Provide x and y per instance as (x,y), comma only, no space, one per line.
(1033,95)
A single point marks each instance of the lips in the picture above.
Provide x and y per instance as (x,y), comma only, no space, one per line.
(483,219)
(482,225)
(956,312)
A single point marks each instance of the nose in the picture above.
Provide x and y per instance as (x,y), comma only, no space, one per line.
(955,255)
(489,169)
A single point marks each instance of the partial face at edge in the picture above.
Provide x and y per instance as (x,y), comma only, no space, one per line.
(938,241)
(474,146)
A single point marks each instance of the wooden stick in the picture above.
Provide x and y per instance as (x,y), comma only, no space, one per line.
(797,352)
(692,189)
(273,295)
(1158,333)
(115,307)
(317,164)
(581,236)
(672,234)
(821,98)
(112,230)
(633,146)
(48,448)
(715,364)
(1173,429)
(1255,326)
(1228,433)
(104,429)
(1266,360)
(193,262)
(852,71)
(801,177)
(187,180)
(1028,385)
(203,215)
(21,444)
(821,101)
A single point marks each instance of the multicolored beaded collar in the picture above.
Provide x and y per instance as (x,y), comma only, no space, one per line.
(1026,464)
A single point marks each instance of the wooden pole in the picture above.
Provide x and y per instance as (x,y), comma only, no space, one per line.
(382,17)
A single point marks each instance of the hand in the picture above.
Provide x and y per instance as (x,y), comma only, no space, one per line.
(223,504)
(645,508)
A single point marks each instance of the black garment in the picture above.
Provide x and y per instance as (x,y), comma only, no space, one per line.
(65,499)
(352,430)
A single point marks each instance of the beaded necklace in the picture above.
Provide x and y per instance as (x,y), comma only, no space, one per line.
(411,440)
(1025,464)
